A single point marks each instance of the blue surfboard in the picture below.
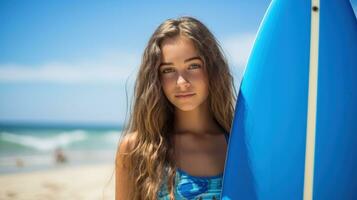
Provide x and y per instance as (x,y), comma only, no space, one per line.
(294,133)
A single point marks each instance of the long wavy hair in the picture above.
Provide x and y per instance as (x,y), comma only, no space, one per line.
(151,162)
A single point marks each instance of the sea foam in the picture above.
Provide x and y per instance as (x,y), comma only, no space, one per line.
(45,143)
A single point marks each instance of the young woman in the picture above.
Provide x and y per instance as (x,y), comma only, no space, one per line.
(174,146)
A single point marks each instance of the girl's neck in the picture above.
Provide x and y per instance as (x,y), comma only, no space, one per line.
(197,121)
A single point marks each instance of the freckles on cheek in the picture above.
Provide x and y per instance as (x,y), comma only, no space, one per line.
(197,77)
(165,85)
(168,80)
(165,82)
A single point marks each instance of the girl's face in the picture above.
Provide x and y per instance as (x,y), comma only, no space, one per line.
(183,76)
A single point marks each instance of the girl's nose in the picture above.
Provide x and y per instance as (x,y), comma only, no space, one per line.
(182,82)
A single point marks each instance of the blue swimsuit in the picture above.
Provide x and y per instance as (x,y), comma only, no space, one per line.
(194,187)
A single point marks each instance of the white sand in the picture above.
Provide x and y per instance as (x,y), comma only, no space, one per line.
(80,182)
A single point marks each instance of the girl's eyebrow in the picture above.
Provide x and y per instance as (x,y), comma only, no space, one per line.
(193,58)
(187,60)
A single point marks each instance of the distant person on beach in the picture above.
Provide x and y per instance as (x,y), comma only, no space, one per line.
(19,163)
(174,146)
(59,156)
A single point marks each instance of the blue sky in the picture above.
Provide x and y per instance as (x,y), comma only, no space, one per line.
(68,61)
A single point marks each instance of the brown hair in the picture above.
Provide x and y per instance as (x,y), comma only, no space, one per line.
(151,159)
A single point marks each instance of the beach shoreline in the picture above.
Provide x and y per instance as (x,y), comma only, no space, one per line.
(90,181)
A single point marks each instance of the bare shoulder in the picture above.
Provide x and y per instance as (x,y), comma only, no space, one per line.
(127,143)
(123,182)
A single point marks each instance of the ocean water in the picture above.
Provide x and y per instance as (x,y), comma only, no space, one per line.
(33,147)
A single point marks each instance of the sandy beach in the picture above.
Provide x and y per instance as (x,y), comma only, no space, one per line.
(68,182)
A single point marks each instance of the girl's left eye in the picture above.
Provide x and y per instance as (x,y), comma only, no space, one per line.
(194,66)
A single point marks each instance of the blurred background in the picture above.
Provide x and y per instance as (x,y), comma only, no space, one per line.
(67,71)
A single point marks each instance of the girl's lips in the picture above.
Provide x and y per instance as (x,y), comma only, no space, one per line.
(184,95)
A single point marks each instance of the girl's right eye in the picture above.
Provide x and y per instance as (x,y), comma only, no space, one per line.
(167,70)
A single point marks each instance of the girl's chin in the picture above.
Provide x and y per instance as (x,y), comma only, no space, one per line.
(186,108)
